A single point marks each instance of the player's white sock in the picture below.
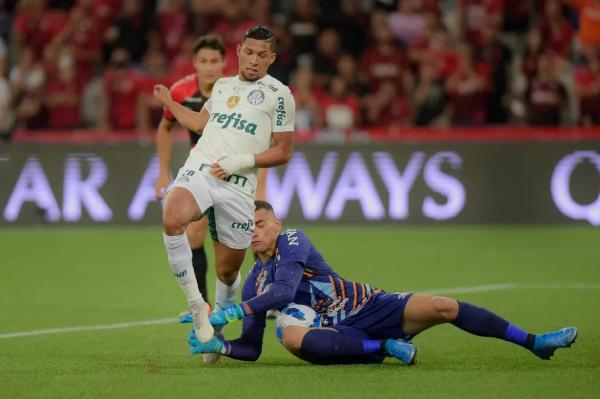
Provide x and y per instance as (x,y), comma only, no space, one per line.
(180,259)
(225,295)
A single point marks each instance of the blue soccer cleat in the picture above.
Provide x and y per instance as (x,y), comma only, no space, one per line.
(547,343)
(402,350)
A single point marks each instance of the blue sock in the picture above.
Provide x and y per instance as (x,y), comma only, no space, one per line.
(482,322)
(323,346)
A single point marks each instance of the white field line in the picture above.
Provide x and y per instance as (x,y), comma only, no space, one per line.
(438,291)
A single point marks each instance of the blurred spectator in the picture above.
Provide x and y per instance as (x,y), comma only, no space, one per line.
(234,22)
(498,57)
(35,26)
(347,68)
(28,80)
(5,94)
(123,88)
(156,68)
(556,30)
(63,91)
(304,26)
(387,107)
(518,15)
(131,29)
(533,52)
(587,90)
(340,108)
(351,22)
(478,14)
(306,96)
(181,65)
(408,22)
(326,57)
(173,24)
(7,9)
(204,15)
(285,62)
(430,96)
(545,96)
(384,58)
(589,24)
(468,88)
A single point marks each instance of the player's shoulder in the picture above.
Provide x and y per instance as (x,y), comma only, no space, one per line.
(225,80)
(185,81)
(290,238)
(275,85)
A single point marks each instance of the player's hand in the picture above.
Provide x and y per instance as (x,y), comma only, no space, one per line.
(162,94)
(215,345)
(228,165)
(222,317)
(161,186)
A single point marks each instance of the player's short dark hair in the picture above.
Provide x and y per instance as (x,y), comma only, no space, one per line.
(260,204)
(213,42)
(260,32)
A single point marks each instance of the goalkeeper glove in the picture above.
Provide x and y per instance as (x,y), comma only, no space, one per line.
(224,316)
(215,345)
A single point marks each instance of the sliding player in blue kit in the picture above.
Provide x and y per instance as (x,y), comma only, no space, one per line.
(359,323)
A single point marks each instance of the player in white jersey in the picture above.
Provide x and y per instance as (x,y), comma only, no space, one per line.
(246,124)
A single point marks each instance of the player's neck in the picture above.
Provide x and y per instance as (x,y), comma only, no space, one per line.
(265,256)
(205,88)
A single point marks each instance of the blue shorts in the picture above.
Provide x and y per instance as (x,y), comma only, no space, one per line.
(380,318)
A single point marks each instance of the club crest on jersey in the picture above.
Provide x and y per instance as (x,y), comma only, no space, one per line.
(233,101)
(256,97)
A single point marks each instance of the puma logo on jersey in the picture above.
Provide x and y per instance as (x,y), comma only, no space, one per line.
(225,120)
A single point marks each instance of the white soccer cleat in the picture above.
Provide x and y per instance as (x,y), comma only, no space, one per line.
(200,319)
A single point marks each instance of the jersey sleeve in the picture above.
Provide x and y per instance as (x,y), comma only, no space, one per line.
(284,112)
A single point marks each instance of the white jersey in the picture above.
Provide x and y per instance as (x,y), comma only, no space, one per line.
(243,116)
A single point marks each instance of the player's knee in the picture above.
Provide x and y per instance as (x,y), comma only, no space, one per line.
(445,308)
(226,275)
(173,225)
(292,338)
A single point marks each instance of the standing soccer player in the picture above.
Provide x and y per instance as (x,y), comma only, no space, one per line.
(192,92)
(246,124)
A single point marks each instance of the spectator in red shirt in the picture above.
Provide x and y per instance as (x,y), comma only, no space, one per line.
(556,30)
(587,90)
(545,96)
(388,108)
(468,88)
(28,81)
(173,26)
(384,59)
(122,97)
(477,14)
(62,92)
(156,72)
(533,52)
(340,108)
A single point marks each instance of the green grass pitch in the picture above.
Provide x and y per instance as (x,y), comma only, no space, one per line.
(68,277)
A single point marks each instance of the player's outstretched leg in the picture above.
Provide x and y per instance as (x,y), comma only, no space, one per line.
(196,232)
(329,346)
(424,311)
(180,209)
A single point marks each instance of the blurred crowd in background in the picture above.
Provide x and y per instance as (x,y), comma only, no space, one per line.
(351,64)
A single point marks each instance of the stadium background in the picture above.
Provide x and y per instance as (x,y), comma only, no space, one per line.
(450,147)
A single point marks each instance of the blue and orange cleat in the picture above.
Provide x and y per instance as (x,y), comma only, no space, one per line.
(402,350)
(547,343)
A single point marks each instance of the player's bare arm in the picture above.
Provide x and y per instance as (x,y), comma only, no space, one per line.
(164,146)
(279,154)
(194,121)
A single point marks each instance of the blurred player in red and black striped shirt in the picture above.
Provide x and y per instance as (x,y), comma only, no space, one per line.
(192,92)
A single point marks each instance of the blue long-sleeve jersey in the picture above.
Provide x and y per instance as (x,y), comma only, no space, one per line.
(296,273)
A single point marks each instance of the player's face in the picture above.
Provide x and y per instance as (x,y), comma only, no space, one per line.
(266,230)
(209,64)
(255,57)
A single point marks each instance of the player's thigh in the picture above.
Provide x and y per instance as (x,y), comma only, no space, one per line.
(424,311)
(180,208)
(228,261)
(196,232)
